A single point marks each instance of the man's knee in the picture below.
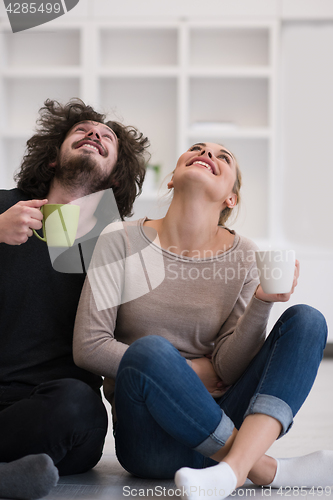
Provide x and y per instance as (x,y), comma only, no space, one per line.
(73,404)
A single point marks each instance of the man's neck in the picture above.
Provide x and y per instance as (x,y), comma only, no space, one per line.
(60,194)
(88,204)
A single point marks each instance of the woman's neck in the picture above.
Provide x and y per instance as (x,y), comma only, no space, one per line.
(190,228)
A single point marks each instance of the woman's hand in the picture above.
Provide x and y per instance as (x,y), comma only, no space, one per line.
(203,367)
(278,297)
(17,223)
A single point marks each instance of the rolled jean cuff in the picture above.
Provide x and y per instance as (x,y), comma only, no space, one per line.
(273,407)
(217,439)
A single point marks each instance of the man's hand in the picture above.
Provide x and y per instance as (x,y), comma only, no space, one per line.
(203,367)
(17,223)
(278,297)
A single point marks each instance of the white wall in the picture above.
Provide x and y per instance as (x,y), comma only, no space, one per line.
(306,159)
(307,132)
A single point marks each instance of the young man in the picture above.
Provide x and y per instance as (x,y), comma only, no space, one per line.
(49,406)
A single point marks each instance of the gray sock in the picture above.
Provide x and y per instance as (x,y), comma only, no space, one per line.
(28,478)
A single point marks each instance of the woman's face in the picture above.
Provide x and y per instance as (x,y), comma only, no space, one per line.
(210,164)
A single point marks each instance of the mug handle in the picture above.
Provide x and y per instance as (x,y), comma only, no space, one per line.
(39,237)
(35,232)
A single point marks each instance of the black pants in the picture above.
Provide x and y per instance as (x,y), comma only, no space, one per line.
(63,418)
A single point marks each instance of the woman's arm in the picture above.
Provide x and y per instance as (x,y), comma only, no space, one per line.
(242,335)
(244,332)
(94,346)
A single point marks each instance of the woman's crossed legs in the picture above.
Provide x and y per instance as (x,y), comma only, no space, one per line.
(167,420)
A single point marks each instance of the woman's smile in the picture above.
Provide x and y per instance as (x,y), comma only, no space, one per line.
(207,163)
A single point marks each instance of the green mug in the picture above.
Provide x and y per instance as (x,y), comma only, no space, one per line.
(60,224)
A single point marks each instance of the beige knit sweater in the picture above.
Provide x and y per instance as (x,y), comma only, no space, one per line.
(202,306)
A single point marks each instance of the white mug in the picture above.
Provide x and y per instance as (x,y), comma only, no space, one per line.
(276,270)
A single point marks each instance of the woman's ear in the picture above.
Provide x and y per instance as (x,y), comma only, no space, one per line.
(231,201)
(170,183)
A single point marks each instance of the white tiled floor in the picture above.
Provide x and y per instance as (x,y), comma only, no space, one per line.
(312,430)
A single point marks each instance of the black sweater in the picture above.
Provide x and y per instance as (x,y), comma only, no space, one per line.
(37,312)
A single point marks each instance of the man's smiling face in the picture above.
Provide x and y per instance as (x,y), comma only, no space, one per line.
(92,138)
(88,155)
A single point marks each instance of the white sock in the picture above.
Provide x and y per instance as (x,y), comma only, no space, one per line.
(313,470)
(216,482)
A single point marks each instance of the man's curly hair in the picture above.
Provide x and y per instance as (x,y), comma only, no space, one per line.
(126,178)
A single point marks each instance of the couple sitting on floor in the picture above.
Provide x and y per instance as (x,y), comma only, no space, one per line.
(192,379)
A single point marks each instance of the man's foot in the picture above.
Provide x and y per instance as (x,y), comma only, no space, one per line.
(28,478)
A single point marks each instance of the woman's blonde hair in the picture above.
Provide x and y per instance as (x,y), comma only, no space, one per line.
(226,212)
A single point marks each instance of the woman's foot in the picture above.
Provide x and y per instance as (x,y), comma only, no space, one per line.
(310,471)
(263,472)
(313,470)
(216,482)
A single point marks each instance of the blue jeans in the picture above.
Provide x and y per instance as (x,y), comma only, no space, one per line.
(166,419)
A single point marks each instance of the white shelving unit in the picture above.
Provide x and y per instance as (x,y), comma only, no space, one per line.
(179,82)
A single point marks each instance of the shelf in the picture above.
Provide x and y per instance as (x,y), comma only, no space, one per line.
(133,47)
(220,130)
(41,72)
(24,97)
(229,46)
(243,102)
(42,49)
(230,72)
(142,72)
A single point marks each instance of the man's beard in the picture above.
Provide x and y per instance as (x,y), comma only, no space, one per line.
(81,174)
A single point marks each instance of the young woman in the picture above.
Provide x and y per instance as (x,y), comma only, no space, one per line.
(172,314)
